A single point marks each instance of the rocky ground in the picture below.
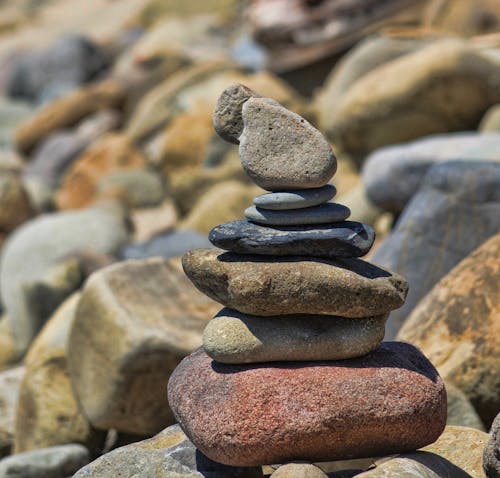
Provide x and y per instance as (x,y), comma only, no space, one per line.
(111,169)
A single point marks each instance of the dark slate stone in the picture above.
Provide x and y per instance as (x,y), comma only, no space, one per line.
(342,239)
(168,244)
(68,63)
(456,209)
(392,175)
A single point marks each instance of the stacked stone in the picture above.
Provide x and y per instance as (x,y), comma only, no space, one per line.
(293,368)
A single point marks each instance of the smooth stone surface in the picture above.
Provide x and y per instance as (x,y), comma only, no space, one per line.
(491,120)
(342,239)
(169,454)
(227,117)
(135,321)
(298,470)
(460,410)
(322,214)
(389,401)
(234,337)
(455,210)
(295,199)
(295,285)
(167,244)
(280,150)
(392,175)
(54,462)
(457,326)
(491,455)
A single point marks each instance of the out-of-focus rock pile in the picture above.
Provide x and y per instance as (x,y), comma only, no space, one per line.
(110,170)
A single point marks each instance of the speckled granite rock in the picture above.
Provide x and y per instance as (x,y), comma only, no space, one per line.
(389,401)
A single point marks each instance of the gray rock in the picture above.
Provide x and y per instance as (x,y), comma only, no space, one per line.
(392,175)
(10,384)
(280,150)
(169,454)
(40,266)
(323,214)
(168,244)
(342,239)
(491,456)
(51,158)
(456,209)
(234,337)
(227,117)
(54,462)
(298,470)
(460,410)
(68,63)
(295,199)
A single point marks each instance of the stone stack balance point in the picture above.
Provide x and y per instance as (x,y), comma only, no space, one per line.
(294,368)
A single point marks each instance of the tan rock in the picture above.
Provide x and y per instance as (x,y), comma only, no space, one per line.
(223,202)
(110,154)
(15,207)
(491,120)
(8,349)
(10,383)
(463,447)
(460,410)
(298,470)
(446,86)
(136,320)
(457,326)
(68,111)
(48,412)
(259,285)
(187,186)
(152,220)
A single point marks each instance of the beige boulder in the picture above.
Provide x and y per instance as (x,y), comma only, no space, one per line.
(444,87)
(48,412)
(457,327)
(223,202)
(298,470)
(15,207)
(135,321)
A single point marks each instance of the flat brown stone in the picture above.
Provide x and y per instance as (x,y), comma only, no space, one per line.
(260,285)
(389,401)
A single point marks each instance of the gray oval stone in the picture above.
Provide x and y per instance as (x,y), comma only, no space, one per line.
(322,214)
(341,239)
(298,199)
(235,337)
(280,150)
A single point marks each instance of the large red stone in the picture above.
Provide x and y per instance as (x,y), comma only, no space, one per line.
(389,401)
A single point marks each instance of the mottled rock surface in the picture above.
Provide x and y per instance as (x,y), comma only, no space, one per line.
(296,285)
(135,321)
(298,470)
(344,239)
(10,383)
(435,231)
(245,415)
(233,337)
(280,150)
(456,325)
(168,454)
(491,455)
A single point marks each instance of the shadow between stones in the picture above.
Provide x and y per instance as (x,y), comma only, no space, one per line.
(407,356)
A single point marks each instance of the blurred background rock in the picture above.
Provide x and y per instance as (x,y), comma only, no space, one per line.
(108,154)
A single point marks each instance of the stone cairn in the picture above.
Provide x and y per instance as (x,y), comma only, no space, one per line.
(294,367)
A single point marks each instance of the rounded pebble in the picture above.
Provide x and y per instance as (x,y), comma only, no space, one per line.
(297,199)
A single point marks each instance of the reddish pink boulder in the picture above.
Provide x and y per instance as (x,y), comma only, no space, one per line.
(389,401)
